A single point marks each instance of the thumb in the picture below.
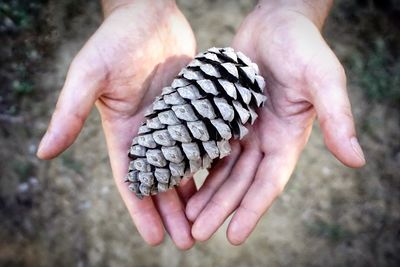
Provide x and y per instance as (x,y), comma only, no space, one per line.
(327,81)
(74,104)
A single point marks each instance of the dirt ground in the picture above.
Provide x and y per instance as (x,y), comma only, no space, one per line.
(67,212)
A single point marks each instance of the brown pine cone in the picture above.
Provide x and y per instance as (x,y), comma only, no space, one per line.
(191,122)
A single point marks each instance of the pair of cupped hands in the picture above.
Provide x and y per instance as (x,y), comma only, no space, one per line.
(138,50)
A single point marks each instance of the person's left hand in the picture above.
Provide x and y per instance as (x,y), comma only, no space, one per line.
(304,79)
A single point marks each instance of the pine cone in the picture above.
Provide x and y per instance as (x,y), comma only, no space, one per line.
(191,122)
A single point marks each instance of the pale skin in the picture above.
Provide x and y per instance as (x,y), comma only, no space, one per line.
(140,47)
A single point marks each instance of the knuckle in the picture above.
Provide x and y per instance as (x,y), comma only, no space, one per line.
(77,63)
(84,67)
(271,185)
(220,203)
(250,212)
(79,118)
(347,113)
(332,118)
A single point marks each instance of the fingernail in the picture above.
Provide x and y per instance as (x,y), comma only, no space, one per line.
(191,210)
(43,143)
(234,233)
(190,214)
(234,227)
(199,231)
(357,148)
(196,230)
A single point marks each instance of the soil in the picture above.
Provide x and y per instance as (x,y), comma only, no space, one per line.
(67,212)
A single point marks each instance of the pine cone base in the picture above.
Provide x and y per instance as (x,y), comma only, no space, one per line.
(190,124)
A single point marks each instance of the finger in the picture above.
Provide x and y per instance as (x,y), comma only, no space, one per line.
(173,215)
(330,99)
(272,175)
(74,104)
(218,175)
(186,189)
(143,212)
(228,196)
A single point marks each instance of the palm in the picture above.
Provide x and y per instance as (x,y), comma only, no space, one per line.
(296,62)
(121,68)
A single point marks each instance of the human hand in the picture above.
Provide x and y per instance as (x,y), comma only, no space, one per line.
(304,80)
(138,49)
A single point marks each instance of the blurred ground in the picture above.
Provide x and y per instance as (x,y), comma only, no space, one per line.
(67,212)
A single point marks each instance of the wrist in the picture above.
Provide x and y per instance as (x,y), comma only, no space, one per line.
(315,11)
(109,6)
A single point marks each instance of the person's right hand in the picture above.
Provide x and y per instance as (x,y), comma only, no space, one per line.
(139,48)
